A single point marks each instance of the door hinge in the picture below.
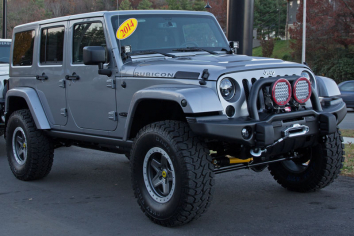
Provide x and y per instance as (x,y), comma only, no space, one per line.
(64,112)
(112,115)
(111,83)
(62,83)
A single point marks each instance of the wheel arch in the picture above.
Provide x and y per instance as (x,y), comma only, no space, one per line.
(164,102)
(26,98)
(153,110)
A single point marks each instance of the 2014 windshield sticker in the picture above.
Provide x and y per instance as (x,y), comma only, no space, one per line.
(127,28)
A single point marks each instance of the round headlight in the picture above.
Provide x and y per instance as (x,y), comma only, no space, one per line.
(227,89)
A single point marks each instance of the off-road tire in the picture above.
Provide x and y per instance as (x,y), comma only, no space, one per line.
(325,164)
(193,173)
(40,149)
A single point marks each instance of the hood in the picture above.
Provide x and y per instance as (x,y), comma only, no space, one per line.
(4,69)
(192,66)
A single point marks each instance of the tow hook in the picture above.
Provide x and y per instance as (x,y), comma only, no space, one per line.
(257,152)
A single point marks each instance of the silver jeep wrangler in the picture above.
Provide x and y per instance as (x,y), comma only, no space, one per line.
(169,91)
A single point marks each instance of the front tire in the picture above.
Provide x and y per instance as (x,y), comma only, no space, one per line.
(30,152)
(172,173)
(325,163)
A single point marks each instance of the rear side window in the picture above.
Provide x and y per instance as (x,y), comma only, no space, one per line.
(23,48)
(88,34)
(52,43)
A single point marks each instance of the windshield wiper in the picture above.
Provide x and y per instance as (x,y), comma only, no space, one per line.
(150,52)
(191,49)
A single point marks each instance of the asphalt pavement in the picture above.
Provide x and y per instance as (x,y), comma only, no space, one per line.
(89,193)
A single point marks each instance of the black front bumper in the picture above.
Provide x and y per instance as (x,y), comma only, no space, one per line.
(267,131)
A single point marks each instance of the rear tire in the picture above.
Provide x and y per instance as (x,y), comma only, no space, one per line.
(172,173)
(30,152)
(325,163)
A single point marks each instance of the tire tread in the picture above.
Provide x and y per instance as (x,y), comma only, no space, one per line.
(198,186)
(41,153)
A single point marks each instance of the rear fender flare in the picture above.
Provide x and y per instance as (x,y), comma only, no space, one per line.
(33,103)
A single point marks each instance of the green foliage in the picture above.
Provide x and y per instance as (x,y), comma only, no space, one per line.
(144,5)
(199,5)
(337,64)
(185,5)
(173,5)
(125,5)
(270,16)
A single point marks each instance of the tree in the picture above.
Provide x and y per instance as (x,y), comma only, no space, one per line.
(219,9)
(173,5)
(144,5)
(329,38)
(199,5)
(185,5)
(269,17)
(125,5)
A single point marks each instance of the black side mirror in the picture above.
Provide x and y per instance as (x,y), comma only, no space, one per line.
(96,55)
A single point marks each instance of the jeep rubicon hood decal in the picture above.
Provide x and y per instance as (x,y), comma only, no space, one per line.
(193,66)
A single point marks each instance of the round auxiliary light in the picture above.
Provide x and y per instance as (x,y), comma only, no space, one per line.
(281,92)
(302,90)
(227,89)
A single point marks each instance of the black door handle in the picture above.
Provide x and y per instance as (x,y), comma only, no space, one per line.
(42,77)
(74,76)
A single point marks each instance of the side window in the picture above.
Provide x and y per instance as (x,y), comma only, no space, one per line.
(23,48)
(88,34)
(348,87)
(52,43)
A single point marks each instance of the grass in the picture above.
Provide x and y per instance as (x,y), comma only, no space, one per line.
(281,50)
(347,133)
(348,165)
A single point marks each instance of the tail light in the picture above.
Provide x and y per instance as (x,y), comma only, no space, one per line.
(281,92)
(302,90)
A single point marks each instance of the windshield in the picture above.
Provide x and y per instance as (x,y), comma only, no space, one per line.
(5,52)
(169,32)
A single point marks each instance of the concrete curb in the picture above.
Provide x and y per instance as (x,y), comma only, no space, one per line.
(348,140)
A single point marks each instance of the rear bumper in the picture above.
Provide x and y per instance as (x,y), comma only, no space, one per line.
(267,131)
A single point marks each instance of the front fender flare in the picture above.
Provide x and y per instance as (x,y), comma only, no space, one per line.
(199,99)
(327,87)
(33,103)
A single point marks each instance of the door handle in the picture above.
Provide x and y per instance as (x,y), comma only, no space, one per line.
(74,76)
(42,77)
